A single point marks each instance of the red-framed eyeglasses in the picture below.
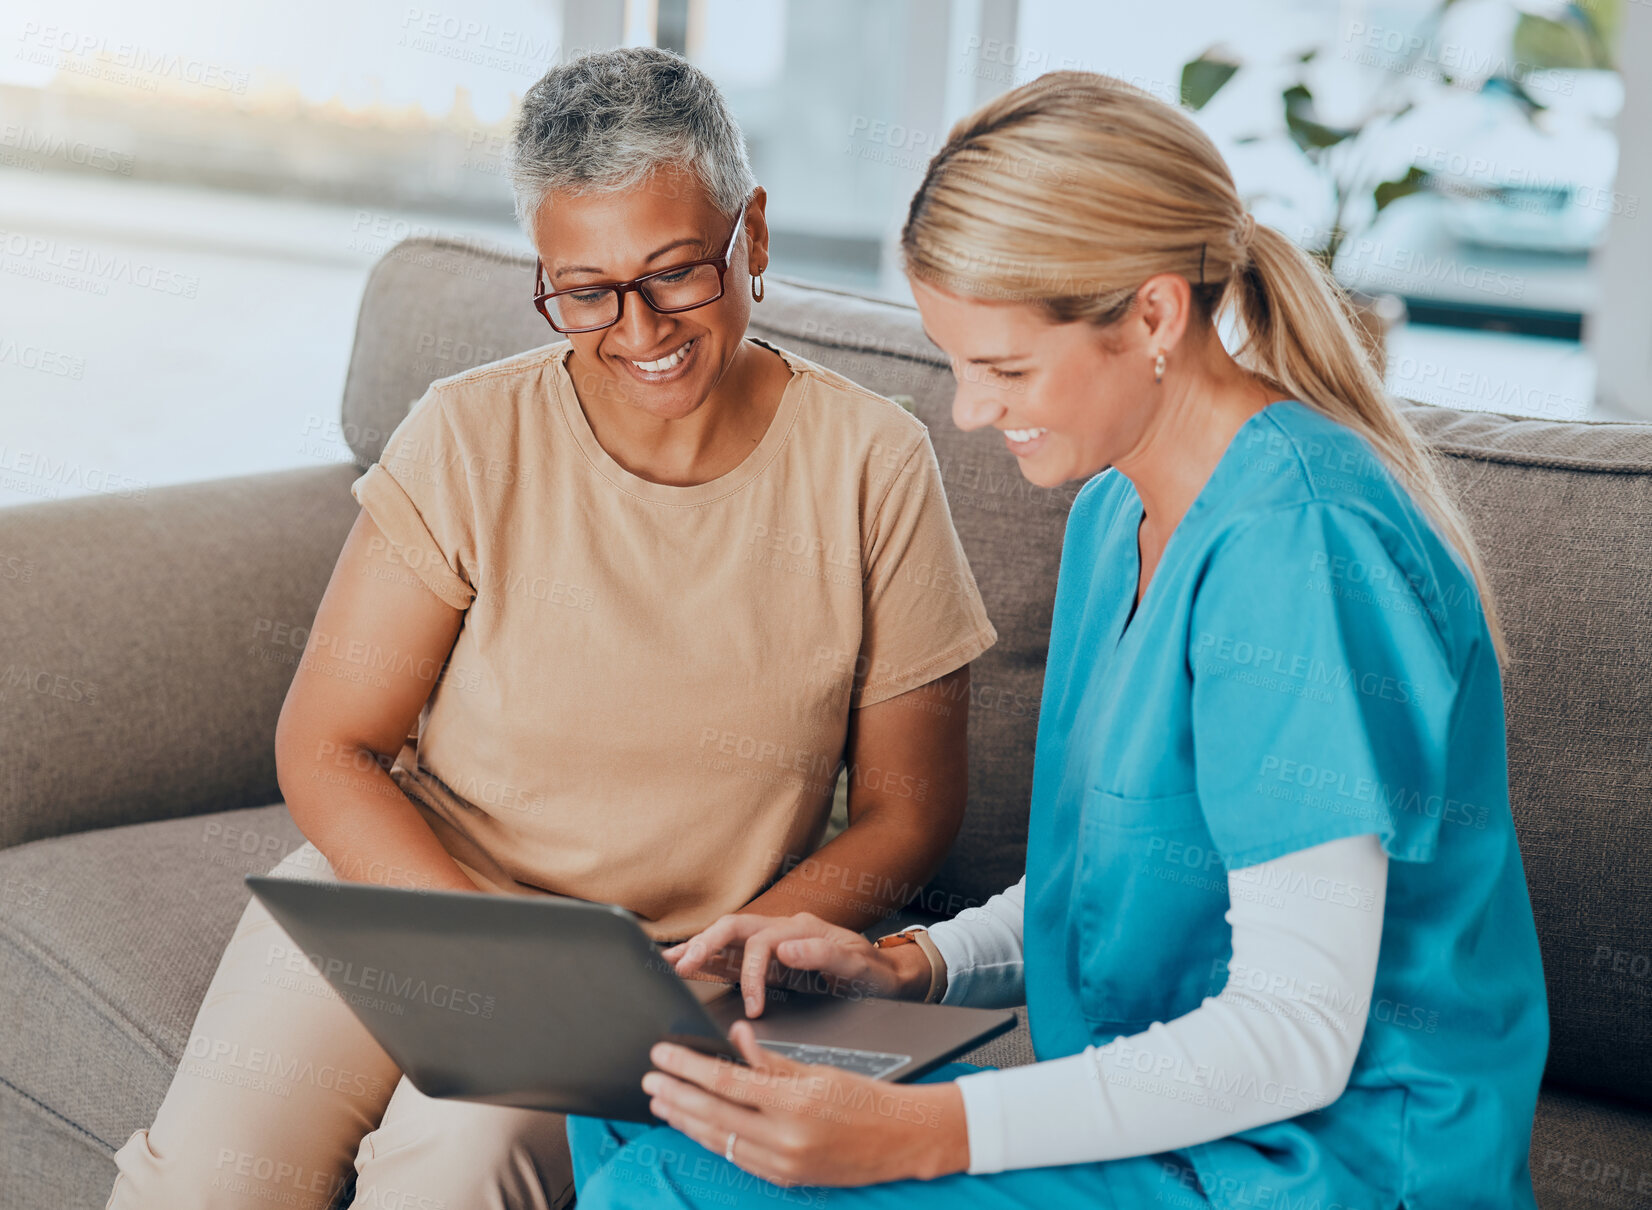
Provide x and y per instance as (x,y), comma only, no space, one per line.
(593,306)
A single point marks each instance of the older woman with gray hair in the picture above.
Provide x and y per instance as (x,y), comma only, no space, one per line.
(642,593)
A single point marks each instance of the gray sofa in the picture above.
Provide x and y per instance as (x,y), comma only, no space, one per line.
(149,643)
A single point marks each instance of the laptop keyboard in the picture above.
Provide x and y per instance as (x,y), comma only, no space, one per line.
(874,1063)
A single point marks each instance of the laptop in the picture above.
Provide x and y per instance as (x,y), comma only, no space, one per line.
(547,1002)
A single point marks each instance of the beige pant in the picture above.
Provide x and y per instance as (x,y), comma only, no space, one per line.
(280,1086)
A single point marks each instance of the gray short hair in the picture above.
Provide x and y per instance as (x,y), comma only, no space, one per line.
(604,122)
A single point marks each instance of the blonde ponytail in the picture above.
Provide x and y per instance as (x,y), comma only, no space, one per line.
(1072,190)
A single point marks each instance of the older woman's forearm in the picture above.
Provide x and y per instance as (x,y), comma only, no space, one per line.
(873,867)
(908,770)
(344,801)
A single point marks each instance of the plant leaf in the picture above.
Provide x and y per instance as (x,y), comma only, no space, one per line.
(1202,78)
(1307,131)
(1541,44)
(1414,181)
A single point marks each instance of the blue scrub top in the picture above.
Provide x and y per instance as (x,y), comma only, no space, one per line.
(1309,662)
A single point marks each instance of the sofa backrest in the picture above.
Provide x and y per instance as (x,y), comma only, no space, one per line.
(1563,513)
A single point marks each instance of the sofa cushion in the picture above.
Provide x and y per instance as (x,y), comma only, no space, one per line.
(1590,1154)
(1010,1049)
(1563,513)
(149,643)
(47,1163)
(108,940)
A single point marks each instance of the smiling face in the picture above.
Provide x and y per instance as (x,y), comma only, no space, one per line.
(1069,398)
(665,365)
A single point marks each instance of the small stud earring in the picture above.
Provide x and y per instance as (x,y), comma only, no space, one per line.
(757,288)
(1158,367)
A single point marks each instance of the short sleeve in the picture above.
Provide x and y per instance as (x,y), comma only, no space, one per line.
(923,615)
(419,497)
(1323,692)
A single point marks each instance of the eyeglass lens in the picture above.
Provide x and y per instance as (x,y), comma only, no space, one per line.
(693,286)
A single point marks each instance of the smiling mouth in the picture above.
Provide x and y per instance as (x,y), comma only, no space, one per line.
(1024,435)
(669,362)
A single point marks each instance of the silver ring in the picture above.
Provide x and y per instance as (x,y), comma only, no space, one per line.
(728,1148)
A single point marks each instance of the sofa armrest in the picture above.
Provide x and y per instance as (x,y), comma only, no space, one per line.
(149,642)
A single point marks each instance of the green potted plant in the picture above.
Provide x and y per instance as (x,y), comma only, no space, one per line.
(1346,153)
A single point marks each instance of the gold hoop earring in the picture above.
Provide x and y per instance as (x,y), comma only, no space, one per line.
(1158,367)
(757,287)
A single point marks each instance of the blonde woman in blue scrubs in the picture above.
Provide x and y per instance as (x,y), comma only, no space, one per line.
(1274,937)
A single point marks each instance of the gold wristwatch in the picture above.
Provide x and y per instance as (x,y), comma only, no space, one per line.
(920,937)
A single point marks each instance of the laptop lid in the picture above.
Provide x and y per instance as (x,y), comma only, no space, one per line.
(553,1003)
(465,994)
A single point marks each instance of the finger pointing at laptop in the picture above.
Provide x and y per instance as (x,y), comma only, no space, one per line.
(765,948)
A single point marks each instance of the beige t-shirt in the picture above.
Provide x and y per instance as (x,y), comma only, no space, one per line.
(648,699)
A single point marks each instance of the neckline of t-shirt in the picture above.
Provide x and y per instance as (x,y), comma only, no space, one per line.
(780,426)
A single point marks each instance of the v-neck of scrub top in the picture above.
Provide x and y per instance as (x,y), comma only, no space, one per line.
(1132,512)
(730,481)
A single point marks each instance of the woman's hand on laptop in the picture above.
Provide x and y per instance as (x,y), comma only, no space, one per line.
(765,949)
(804,1124)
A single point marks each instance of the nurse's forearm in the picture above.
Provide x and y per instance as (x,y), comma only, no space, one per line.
(983,951)
(1279,1041)
(871,868)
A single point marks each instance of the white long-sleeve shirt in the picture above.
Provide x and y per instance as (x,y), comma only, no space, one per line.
(1278,1041)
